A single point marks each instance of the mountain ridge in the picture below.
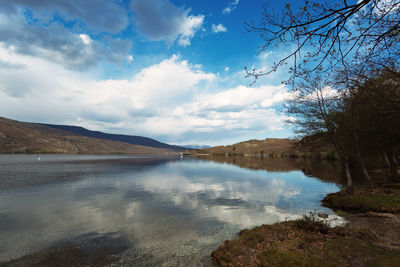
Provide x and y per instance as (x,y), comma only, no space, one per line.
(130,139)
(25,137)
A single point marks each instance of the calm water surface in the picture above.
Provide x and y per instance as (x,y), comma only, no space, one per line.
(145,211)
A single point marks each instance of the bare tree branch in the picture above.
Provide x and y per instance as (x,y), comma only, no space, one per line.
(329,34)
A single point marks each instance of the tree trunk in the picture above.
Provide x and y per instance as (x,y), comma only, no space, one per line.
(343,156)
(349,179)
(362,164)
(391,167)
(394,157)
(393,170)
(363,168)
(386,164)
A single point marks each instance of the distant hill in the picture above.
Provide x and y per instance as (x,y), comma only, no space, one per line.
(310,147)
(130,139)
(196,146)
(255,147)
(22,137)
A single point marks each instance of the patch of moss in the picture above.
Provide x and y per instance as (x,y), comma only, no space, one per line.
(382,199)
(274,256)
(356,251)
(226,258)
(254,235)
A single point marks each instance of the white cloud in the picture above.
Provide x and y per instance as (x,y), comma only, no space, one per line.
(231,7)
(59,44)
(85,39)
(161,20)
(382,7)
(173,99)
(189,28)
(326,92)
(152,88)
(258,97)
(112,21)
(226,69)
(218,28)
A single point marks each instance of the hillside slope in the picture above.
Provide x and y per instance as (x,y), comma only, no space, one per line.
(22,137)
(130,139)
(254,147)
(311,146)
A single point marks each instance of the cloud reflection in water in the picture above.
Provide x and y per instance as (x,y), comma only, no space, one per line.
(177,211)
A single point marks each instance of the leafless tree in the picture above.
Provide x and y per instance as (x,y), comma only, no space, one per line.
(315,107)
(325,35)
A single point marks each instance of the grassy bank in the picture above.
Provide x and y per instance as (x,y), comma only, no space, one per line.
(372,237)
(385,198)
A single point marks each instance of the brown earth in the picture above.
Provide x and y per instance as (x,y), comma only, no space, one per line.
(385,226)
(21,137)
(376,209)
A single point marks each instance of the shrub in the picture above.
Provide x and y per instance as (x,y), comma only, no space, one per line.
(313,223)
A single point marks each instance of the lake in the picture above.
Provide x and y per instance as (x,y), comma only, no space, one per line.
(145,211)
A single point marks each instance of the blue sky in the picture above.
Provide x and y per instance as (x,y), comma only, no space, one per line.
(172,70)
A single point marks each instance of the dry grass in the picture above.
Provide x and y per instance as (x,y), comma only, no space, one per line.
(299,244)
(370,239)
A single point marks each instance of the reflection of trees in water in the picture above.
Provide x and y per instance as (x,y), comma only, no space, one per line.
(325,170)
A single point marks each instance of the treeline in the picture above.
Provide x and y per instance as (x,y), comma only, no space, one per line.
(344,64)
(359,112)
